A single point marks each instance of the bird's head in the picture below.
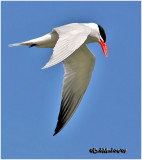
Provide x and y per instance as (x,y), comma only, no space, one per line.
(102,40)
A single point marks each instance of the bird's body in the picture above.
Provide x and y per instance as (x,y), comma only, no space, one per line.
(49,40)
(69,43)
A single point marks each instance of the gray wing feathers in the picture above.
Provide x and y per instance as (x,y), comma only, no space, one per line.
(71,37)
(78,70)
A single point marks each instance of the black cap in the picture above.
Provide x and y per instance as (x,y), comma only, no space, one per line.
(102,32)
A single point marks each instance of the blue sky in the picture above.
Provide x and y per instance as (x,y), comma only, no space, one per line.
(109,113)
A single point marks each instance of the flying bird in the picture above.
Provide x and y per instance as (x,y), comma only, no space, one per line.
(69,43)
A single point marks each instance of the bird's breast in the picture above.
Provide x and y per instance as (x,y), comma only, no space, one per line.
(91,39)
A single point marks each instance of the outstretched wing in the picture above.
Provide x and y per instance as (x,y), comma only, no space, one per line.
(71,37)
(78,70)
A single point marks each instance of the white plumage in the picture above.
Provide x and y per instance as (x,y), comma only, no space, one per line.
(69,43)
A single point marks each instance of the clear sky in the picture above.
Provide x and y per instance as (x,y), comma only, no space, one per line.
(109,114)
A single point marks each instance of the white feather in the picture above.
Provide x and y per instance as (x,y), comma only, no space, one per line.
(71,37)
(78,70)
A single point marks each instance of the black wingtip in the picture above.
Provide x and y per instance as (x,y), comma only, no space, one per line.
(57,129)
(55,132)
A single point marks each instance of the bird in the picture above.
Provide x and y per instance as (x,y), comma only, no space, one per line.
(69,47)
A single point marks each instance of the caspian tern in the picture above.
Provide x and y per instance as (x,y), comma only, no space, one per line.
(69,43)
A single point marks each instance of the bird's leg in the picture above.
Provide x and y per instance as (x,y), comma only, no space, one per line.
(32,45)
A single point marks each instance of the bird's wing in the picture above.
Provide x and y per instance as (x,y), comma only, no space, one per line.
(78,70)
(71,37)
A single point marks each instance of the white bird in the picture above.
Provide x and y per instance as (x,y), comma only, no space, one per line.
(69,43)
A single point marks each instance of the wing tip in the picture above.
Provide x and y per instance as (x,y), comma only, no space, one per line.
(46,66)
(43,67)
(12,45)
(54,133)
(58,128)
(15,44)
